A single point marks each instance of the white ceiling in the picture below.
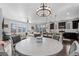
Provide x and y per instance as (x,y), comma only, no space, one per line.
(22,11)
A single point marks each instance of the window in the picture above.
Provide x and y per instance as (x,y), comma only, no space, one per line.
(13,27)
(52,26)
(75,24)
(40,27)
(22,27)
(17,27)
(62,25)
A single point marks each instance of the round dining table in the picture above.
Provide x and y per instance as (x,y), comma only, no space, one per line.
(38,46)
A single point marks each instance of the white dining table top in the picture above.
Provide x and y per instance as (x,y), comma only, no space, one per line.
(36,47)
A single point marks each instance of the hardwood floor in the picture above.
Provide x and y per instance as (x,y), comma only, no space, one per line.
(66,46)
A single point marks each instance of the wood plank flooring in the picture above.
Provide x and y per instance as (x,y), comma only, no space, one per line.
(66,46)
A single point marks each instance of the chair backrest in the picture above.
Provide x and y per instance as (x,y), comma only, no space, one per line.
(16,39)
(5,49)
(56,37)
(5,37)
(73,47)
(8,48)
(2,51)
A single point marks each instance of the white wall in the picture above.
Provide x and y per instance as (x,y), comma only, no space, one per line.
(68,26)
(1,18)
(9,21)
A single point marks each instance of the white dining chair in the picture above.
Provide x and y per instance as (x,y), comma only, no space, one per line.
(74,49)
(58,37)
(2,51)
(14,41)
(8,48)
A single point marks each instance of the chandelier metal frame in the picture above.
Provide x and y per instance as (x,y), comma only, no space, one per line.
(44,10)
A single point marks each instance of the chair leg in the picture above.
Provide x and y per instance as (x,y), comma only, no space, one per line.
(13,52)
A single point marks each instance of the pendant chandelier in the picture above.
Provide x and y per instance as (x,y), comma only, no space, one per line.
(44,10)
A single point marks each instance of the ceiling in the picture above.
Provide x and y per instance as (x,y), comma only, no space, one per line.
(24,11)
